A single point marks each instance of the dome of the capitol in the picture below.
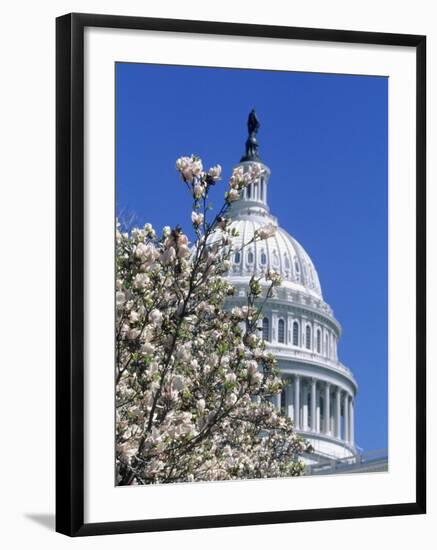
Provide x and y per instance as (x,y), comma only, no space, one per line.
(281,253)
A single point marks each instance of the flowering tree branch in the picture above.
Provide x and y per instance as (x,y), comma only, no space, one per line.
(193,378)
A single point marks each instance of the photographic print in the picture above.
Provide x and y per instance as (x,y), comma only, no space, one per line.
(240,255)
(251,274)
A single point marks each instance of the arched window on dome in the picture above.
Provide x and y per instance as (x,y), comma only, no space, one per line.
(308,337)
(297,269)
(237,257)
(266,329)
(281,331)
(295,333)
(319,341)
(250,257)
(263,258)
(286,261)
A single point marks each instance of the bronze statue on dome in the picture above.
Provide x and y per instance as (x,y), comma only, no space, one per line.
(253,126)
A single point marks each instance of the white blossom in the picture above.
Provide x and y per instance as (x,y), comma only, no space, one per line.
(214,172)
(148,348)
(155,316)
(120,298)
(266,231)
(134,317)
(201,405)
(233,195)
(189,167)
(168,255)
(148,230)
(132,333)
(183,251)
(198,190)
(140,280)
(231,399)
(196,218)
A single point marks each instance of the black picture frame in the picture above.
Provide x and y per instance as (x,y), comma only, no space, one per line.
(70,273)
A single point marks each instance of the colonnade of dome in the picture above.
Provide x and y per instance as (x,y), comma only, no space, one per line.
(318,407)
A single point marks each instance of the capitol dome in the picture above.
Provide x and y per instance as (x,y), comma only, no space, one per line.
(281,253)
(298,326)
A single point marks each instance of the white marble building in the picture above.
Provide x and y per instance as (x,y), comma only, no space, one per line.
(300,329)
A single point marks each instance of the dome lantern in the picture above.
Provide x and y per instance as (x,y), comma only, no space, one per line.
(282,253)
(254,196)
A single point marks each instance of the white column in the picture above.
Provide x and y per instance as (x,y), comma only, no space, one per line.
(338,413)
(313,404)
(289,409)
(351,421)
(305,425)
(346,417)
(290,330)
(327,410)
(318,424)
(326,336)
(274,327)
(297,402)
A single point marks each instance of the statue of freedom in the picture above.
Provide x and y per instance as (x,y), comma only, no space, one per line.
(253,126)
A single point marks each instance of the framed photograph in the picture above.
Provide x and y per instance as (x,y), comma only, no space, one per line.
(240,274)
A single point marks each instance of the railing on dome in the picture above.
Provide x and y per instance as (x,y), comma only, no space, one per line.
(373,460)
(304,354)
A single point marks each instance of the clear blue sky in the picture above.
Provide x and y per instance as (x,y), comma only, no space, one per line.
(324,138)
